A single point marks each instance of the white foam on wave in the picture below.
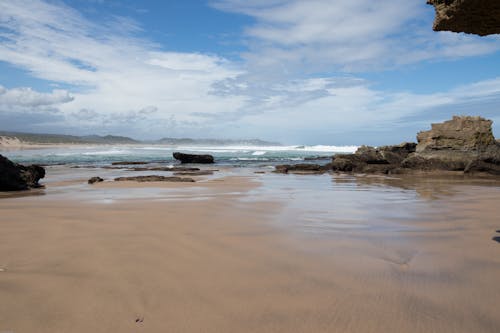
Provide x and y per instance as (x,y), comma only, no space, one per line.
(261,150)
(108,152)
(258,153)
(257,150)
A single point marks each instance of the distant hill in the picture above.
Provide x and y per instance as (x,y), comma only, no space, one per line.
(40,138)
(214,142)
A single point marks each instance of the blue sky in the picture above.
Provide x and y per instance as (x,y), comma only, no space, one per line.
(298,72)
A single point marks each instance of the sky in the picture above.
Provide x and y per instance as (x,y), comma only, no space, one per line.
(335,72)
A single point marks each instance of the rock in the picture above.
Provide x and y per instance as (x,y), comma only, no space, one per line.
(344,164)
(181,169)
(193,158)
(460,144)
(368,159)
(128,163)
(480,17)
(461,134)
(194,173)
(300,168)
(317,158)
(95,180)
(16,177)
(154,178)
(433,163)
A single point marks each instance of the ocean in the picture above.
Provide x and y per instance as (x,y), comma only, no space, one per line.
(236,156)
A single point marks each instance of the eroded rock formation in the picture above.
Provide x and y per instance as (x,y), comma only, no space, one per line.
(460,144)
(17,177)
(480,17)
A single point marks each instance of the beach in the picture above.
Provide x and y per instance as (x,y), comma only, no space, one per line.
(246,252)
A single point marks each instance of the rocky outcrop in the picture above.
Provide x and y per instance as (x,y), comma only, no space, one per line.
(460,144)
(464,144)
(193,158)
(154,178)
(17,177)
(480,17)
(462,134)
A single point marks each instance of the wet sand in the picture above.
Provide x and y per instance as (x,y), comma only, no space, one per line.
(252,253)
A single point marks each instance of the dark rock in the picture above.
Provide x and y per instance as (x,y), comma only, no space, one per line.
(181,169)
(95,180)
(154,178)
(193,158)
(482,166)
(344,164)
(368,159)
(194,173)
(316,158)
(430,163)
(16,177)
(128,163)
(480,17)
(300,168)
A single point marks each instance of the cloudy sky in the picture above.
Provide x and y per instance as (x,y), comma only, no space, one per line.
(294,71)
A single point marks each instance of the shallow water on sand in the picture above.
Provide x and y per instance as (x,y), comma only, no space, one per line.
(246,252)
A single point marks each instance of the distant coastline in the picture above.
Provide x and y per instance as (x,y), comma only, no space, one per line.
(20,140)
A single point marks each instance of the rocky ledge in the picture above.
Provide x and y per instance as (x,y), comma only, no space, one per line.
(17,177)
(155,178)
(480,17)
(463,144)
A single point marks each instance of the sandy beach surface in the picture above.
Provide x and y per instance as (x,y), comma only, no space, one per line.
(245,252)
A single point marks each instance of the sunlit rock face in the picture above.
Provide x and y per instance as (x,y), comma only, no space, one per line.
(464,133)
(480,17)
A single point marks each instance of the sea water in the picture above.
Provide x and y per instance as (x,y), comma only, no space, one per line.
(238,156)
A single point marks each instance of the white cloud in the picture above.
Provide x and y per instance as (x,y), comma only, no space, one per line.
(123,84)
(111,70)
(27,97)
(348,35)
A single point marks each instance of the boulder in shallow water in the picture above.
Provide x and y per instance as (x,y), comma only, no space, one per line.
(193,158)
(95,180)
(17,177)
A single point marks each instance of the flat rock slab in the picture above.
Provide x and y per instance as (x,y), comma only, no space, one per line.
(129,163)
(181,169)
(194,173)
(155,178)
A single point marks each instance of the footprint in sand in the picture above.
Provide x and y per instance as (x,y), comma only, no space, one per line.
(139,320)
